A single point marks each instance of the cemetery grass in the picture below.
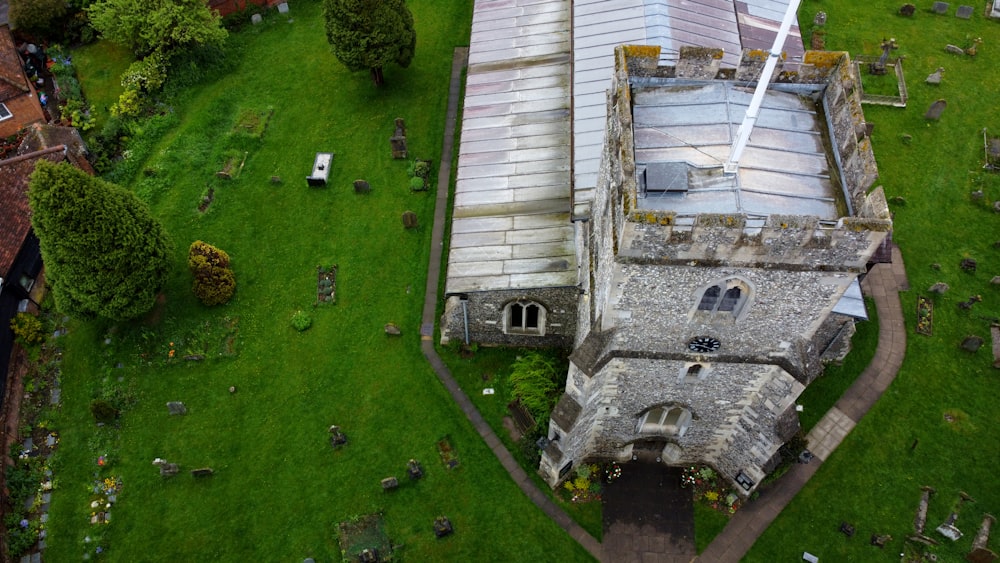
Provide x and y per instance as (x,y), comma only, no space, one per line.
(936,424)
(279,490)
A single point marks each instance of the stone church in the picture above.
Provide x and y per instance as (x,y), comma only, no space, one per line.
(596,213)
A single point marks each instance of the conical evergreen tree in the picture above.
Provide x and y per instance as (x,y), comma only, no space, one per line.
(369,34)
(104,253)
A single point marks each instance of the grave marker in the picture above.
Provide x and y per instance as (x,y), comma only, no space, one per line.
(935,77)
(442,527)
(907,10)
(964,12)
(935,110)
(398,140)
(940,7)
(176,408)
(362,187)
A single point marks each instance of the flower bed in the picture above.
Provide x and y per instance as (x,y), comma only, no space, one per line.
(925,315)
(588,483)
(710,489)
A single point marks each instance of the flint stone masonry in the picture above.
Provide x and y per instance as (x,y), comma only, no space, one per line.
(486,317)
(644,271)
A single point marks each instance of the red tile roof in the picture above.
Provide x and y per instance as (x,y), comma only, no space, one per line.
(15,215)
(13,82)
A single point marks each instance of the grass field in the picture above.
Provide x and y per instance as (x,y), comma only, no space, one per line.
(279,490)
(943,399)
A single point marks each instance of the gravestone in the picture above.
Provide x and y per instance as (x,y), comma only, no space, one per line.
(283,8)
(398,140)
(442,527)
(202,472)
(389,483)
(907,10)
(972,343)
(880,540)
(820,19)
(167,469)
(935,77)
(940,7)
(847,529)
(968,265)
(414,470)
(392,329)
(977,195)
(806,556)
(921,519)
(954,49)
(937,108)
(939,288)
(362,187)
(256,19)
(176,408)
(995,334)
(980,553)
(964,12)
(337,438)
(995,12)
(410,220)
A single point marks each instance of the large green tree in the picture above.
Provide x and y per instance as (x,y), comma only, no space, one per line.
(157,26)
(104,253)
(369,34)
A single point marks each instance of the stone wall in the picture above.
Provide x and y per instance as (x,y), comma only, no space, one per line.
(736,410)
(486,310)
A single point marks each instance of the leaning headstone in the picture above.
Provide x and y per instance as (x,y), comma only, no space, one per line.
(398,140)
(939,288)
(935,77)
(410,220)
(980,553)
(968,265)
(847,529)
(879,541)
(820,19)
(939,7)
(176,408)
(389,483)
(806,556)
(392,329)
(256,19)
(954,49)
(283,8)
(167,469)
(202,472)
(964,12)
(977,195)
(972,343)
(937,108)
(907,10)
(362,187)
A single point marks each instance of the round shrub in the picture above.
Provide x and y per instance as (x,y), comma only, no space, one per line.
(103,411)
(27,328)
(214,282)
(301,321)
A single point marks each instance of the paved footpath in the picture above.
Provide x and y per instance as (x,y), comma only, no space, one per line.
(430,311)
(883,282)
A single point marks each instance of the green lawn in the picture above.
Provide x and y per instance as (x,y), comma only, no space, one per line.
(279,490)
(943,398)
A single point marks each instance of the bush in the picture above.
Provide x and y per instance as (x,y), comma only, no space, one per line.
(301,321)
(536,383)
(103,411)
(417,184)
(27,329)
(214,281)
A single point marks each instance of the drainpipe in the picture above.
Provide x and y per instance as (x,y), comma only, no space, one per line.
(465,316)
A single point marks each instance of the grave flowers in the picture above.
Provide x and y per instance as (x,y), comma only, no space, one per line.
(709,489)
(925,316)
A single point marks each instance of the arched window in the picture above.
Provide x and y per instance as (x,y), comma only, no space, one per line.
(671,421)
(524,317)
(727,297)
(693,373)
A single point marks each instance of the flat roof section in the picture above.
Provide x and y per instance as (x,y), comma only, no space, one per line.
(601,25)
(511,224)
(684,129)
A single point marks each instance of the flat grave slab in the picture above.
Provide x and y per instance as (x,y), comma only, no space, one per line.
(940,7)
(964,12)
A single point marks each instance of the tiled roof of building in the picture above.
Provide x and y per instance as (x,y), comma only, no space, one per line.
(15,215)
(13,82)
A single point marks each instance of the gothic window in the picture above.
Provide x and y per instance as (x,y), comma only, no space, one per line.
(728,297)
(693,373)
(5,113)
(671,421)
(524,317)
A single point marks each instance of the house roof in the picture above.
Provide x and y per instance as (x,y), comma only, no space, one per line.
(15,215)
(13,81)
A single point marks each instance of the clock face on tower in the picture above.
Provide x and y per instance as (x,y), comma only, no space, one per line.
(703,344)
